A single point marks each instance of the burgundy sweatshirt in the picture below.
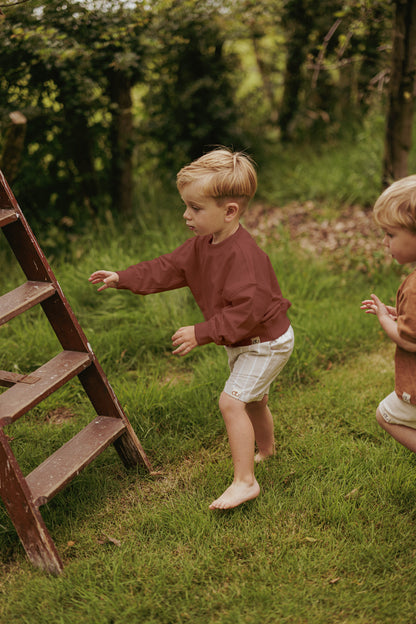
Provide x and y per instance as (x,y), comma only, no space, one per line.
(233,283)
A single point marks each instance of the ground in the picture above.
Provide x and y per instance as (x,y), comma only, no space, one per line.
(307,223)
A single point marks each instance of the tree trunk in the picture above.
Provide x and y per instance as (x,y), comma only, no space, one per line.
(13,146)
(122,142)
(297,44)
(398,134)
(265,76)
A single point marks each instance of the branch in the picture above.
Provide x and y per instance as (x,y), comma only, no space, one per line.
(4,6)
(322,51)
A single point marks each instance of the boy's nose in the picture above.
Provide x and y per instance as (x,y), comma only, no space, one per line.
(186,214)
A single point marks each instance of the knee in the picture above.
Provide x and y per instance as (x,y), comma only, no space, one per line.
(228,404)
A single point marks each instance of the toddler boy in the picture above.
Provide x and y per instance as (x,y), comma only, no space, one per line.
(395,212)
(234,285)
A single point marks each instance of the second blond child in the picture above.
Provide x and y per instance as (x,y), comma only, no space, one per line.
(395,212)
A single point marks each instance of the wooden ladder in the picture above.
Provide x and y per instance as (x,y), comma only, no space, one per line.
(22,495)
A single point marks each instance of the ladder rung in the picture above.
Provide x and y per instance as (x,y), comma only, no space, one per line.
(7,216)
(23,298)
(9,379)
(56,471)
(22,397)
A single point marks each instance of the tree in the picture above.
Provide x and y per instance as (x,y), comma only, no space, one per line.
(401,102)
(72,68)
(334,55)
(13,146)
(190,96)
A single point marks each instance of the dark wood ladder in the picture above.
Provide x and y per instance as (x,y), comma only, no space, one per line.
(23,495)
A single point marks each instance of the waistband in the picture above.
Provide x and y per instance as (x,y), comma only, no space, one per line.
(263,336)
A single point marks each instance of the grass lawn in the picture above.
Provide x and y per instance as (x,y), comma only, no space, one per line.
(330,539)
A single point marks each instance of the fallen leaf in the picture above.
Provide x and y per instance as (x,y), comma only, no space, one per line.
(107,538)
(353,494)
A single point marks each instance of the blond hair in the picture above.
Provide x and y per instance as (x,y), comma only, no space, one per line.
(222,174)
(396,206)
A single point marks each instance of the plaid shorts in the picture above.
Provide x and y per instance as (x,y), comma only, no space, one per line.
(397,412)
(254,367)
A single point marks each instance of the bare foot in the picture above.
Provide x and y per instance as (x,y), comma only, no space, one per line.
(236,494)
(259,457)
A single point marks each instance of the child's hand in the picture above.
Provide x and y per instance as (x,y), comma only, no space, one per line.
(377,307)
(109,279)
(185,338)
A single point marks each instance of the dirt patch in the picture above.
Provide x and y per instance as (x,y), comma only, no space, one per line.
(352,233)
(59,415)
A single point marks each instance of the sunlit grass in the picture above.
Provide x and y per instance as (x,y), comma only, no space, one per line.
(333,171)
(330,539)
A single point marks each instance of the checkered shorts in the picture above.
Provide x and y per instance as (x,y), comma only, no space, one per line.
(254,367)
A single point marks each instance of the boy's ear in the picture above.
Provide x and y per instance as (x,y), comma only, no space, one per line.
(231,210)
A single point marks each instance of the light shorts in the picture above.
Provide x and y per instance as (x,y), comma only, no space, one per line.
(397,412)
(254,367)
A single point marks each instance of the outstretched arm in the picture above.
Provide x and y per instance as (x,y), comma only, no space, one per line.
(387,317)
(108,278)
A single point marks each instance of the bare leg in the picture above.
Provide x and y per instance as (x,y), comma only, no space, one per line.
(262,421)
(241,438)
(401,433)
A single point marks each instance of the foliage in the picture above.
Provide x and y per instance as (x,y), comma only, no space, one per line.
(74,84)
(336,62)
(104,84)
(62,63)
(189,102)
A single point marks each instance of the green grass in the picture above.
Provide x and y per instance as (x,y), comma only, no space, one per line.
(330,539)
(329,171)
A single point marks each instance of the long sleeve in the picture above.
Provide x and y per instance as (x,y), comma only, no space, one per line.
(167,272)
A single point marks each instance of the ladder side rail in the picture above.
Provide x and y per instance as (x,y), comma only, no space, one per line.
(71,336)
(22,240)
(64,322)
(27,250)
(105,401)
(69,332)
(25,516)
(7,199)
(36,268)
